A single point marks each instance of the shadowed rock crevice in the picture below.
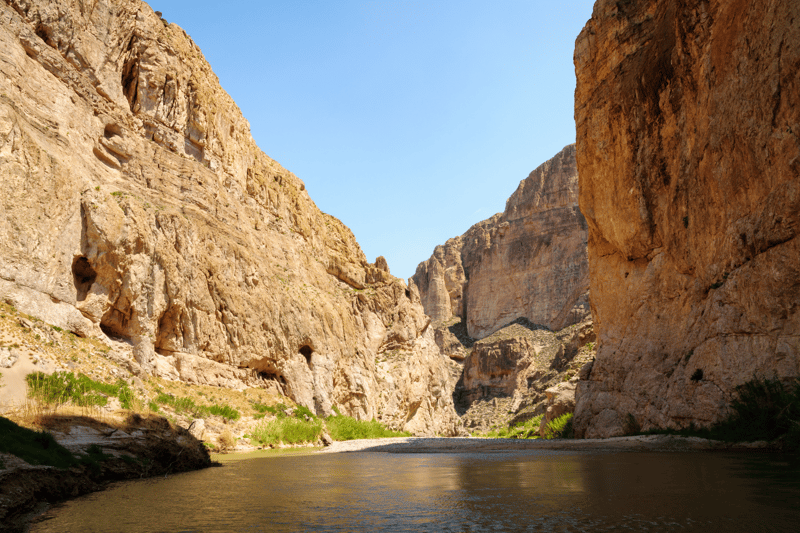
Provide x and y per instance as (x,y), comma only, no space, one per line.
(83,276)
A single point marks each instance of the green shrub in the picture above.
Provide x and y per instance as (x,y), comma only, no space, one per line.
(286,431)
(560,427)
(126,395)
(762,409)
(35,447)
(64,387)
(348,428)
(187,405)
(260,407)
(527,429)
(225,411)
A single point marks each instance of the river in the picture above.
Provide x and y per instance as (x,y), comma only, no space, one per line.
(541,490)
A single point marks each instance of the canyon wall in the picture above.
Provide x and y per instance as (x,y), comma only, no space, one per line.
(688,151)
(527,262)
(508,299)
(137,205)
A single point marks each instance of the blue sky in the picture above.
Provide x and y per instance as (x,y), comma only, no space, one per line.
(407,120)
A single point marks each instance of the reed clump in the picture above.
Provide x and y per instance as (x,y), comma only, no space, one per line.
(298,425)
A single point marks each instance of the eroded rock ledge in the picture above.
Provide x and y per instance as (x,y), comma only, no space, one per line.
(130,449)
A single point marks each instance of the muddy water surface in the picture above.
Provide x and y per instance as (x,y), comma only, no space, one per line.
(538,490)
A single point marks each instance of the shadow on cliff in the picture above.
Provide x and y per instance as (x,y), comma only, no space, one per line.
(461,399)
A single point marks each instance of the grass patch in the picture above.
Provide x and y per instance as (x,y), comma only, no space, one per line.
(347,428)
(560,427)
(528,429)
(34,447)
(286,430)
(291,425)
(65,387)
(297,425)
(186,405)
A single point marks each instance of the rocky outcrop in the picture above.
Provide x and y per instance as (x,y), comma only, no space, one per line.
(137,205)
(527,262)
(508,376)
(688,150)
(108,451)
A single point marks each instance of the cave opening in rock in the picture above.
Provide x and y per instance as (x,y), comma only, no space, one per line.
(83,275)
(110,331)
(130,75)
(268,376)
(306,352)
(111,130)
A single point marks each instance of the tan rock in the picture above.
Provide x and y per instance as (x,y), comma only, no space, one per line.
(197,428)
(529,261)
(560,401)
(138,206)
(512,375)
(688,118)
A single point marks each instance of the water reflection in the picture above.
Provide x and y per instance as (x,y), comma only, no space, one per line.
(530,491)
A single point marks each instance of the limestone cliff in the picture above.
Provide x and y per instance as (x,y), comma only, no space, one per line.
(527,262)
(688,150)
(137,205)
(504,296)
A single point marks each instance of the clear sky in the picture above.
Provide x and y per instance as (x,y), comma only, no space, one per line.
(407,120)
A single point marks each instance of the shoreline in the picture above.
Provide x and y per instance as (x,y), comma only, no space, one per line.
(638,443)
(103,452)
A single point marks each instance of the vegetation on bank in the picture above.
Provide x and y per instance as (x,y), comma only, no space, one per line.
(763,409)
(60,388)
(527,429)
(98,378)
(298,425)
(184,404)
(558,428)
(343,427)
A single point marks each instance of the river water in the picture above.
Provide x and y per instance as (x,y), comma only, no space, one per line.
(503,491)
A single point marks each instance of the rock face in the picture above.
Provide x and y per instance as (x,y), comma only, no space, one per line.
(527,262)
(137,205)
(508,376)
(688,150)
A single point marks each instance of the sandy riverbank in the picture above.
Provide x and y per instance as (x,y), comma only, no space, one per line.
(638,443)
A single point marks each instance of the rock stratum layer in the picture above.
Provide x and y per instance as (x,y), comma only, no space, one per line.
(688,149)
(527,262)
(136,204)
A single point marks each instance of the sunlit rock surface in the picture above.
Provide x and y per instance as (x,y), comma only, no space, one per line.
(136,204)
(688,150)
